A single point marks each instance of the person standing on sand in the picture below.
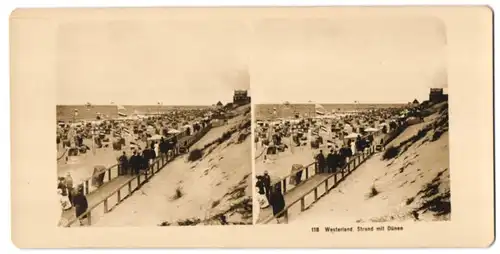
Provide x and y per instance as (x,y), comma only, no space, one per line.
(156,148)
(353,148)
(277,202)
(68,182)
(64,201)
(81,204)
(330,160)
(266,179)
(61,185)
(142,162)
(135,163)
(123,160)
(320,159)
(163,147)
(147,157)
(261,190)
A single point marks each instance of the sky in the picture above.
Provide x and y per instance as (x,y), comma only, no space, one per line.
(392,60)
(176,62)
(199,62)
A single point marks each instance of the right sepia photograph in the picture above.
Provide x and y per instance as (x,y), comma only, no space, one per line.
(350,121)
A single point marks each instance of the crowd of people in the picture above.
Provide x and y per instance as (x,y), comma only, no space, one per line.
(141,160)
(338,158)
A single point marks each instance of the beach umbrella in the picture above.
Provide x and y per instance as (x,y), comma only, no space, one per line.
(371,129)
(352,135)
(155,137)
(173,131)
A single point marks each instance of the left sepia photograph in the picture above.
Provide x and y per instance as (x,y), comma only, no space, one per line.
(153,123)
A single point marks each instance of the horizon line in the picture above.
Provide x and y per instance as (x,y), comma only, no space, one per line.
(155,105)
(326,103)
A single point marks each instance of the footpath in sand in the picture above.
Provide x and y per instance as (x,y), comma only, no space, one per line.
(185,190)
(413,185)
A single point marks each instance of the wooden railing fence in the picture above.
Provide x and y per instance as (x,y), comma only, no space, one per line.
(329,183)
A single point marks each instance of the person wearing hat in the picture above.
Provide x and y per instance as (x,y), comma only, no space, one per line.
(320,159)
(61,185)
(266,180)
(331,161)
(68,182)
(81,204)
(277,201)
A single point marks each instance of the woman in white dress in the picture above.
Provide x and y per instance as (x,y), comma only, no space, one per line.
(64,205)
(157,149)
(64,200)
(261,194)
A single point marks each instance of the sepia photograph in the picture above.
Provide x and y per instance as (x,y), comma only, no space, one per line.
(355,128)
(349,127)
(151,133)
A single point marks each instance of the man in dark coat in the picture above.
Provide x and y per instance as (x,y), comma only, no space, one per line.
(277,201)
(163,147)
(331,160)
(141,161)
(123,160)
(146,156)
(260,185)
(81,204)
(135,163)
(320,159)
(266,180)
(359,144)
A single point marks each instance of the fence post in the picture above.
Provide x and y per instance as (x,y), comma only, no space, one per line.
(302,204)
(129,188)
(335,177)
(146,174)
(315,194)
(284,185)
(316,167)
(109,174)
(118,196)
(138,180)
(326,185)
(89,218)
(105,205)
(86,186)
(307,173)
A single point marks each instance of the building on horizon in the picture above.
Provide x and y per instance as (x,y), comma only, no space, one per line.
(437,95)
(241,97)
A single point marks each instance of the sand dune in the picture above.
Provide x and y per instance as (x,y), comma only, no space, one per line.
(414,185)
